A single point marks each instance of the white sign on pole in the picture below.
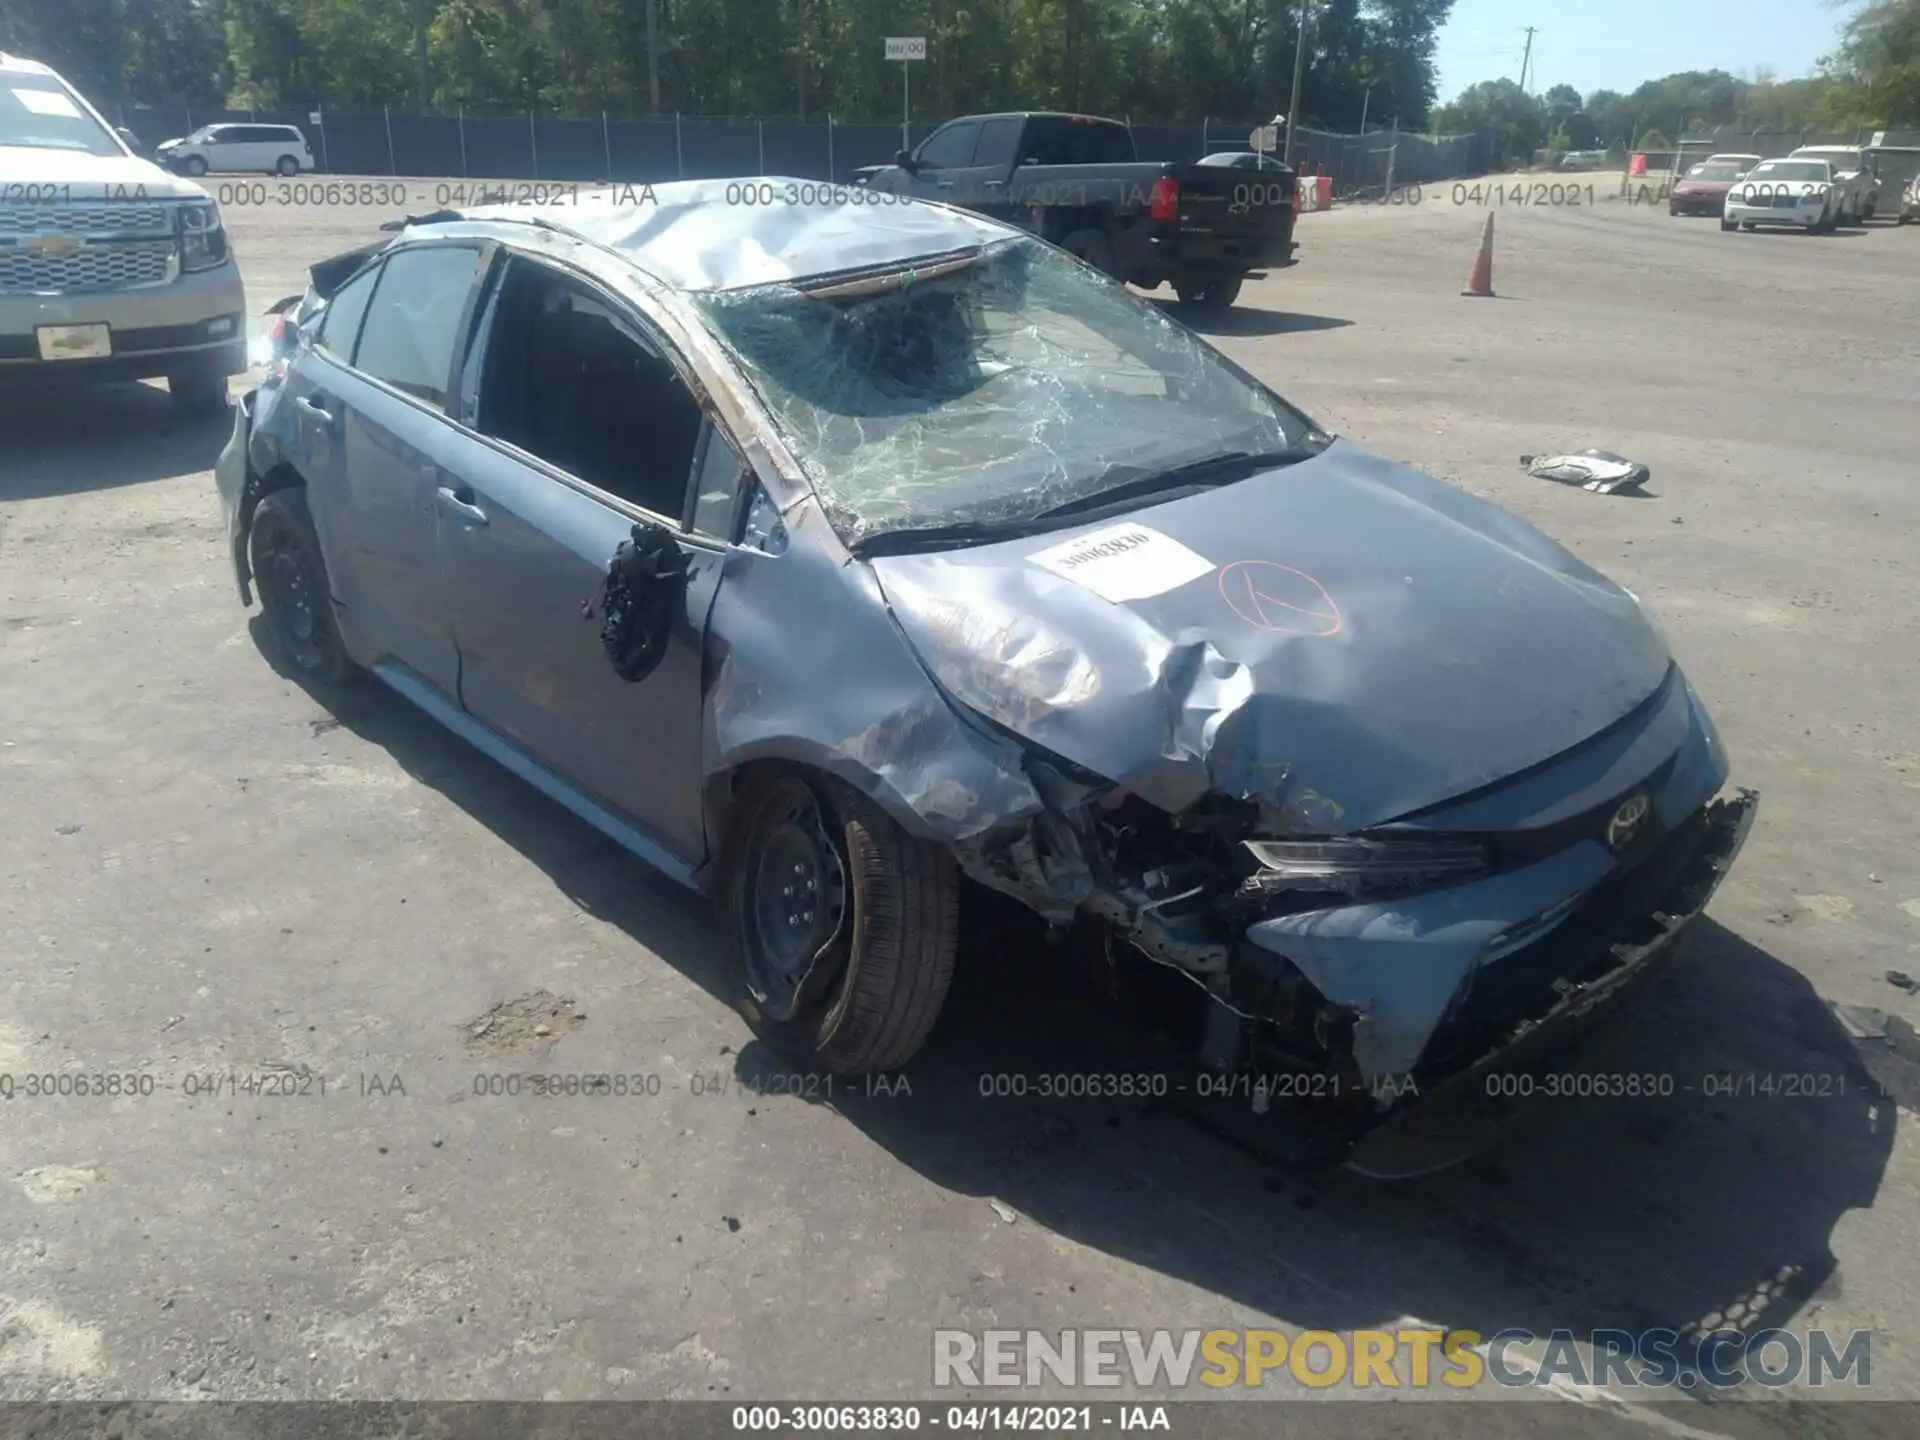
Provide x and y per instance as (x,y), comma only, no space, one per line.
(903,48)
(313,117)
(1263,139)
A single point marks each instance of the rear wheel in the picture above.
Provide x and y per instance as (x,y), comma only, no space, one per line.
(283,551)
(841,926)
(1211,296)
(1092,247)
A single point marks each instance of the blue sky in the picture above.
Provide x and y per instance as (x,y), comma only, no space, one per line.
(1616,44)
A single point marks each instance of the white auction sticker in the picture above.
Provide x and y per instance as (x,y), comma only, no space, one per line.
(47,102)
(1124,562)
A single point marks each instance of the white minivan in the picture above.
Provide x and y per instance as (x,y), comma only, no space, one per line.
(248,149)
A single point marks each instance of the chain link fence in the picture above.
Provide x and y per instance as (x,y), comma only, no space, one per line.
(686,147)
(1369,165)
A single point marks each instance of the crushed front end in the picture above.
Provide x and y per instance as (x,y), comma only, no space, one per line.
(1383,974)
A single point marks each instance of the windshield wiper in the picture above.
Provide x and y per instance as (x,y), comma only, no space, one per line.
(1221,469)
(942,537)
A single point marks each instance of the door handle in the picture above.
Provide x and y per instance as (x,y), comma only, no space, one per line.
(314,408)
(995,184)
(946,184)
(460,501)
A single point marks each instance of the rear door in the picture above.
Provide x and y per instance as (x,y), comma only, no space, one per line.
(387,416)
(579,422)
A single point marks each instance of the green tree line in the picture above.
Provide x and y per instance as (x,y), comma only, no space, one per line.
(1147,59)
(1871,81)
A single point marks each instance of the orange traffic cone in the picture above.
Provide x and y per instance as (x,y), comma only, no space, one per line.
(1480,278)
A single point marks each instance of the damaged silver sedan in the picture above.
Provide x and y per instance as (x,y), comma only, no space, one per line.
(851,563)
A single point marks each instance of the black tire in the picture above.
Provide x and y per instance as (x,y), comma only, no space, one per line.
(1092,247)
(198,391)
(286,165)
(283,551)
(1729,225)
(853,984)
(1212,296)
(194,165)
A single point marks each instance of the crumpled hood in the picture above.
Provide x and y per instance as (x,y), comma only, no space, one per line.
(93,177)
(1345,640)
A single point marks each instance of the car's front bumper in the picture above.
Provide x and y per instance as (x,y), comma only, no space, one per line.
(1451,1117)
(1682,204)
(1798,216)
(1437,979)
(197,318)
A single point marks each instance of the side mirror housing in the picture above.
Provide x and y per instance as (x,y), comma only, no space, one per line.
(127,137)
(904,159)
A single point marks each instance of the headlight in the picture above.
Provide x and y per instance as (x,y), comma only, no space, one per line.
(1358,867)
(203,239)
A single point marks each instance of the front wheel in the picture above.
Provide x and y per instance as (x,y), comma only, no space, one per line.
(194,166)
(1213,296)
(841,926)
(1729,225)
(287,165)
(283,551)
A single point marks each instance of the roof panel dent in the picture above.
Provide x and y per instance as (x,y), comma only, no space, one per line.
(730,234)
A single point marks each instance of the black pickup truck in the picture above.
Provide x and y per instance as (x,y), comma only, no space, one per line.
(1076,180)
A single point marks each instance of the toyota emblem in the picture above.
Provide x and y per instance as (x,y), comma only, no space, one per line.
(1627,822)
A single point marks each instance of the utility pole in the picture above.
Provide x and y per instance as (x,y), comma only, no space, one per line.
(1528,55)
(1293,105)
(420,52)
(800,55)
(653,55)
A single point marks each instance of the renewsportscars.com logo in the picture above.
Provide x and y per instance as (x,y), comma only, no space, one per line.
(1413,1359)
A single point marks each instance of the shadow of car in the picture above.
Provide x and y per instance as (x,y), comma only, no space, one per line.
(1659,1210)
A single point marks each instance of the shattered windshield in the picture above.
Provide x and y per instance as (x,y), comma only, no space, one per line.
(1011,384)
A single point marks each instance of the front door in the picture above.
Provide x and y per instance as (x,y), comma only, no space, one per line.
(579,426)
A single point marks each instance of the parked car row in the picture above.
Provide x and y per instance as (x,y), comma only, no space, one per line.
(1816,188)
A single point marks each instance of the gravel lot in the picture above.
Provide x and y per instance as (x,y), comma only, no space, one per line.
(207,874)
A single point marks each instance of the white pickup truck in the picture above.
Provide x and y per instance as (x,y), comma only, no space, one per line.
(110,268)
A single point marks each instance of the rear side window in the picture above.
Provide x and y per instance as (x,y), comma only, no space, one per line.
(340,321)
(1058,140)
(413,324)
